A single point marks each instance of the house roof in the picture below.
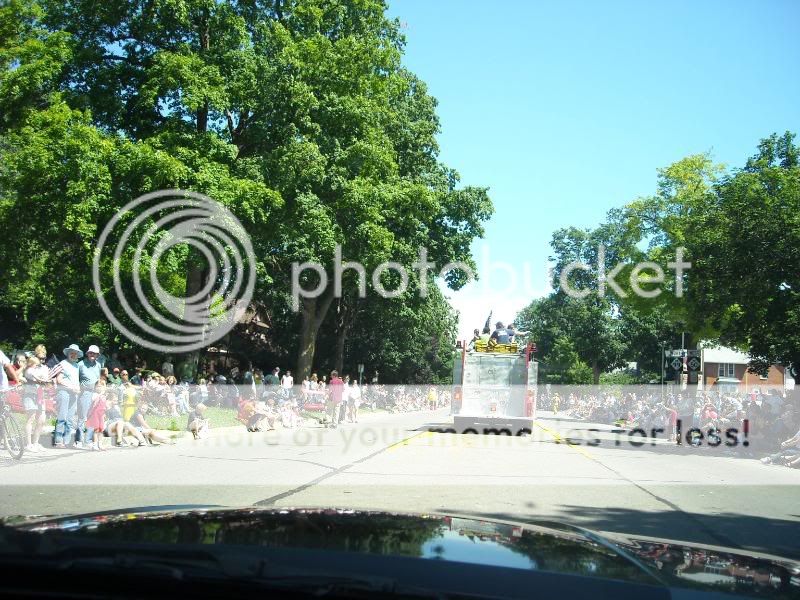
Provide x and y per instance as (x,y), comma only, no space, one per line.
(721,354)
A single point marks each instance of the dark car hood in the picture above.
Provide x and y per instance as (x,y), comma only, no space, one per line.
(545,546)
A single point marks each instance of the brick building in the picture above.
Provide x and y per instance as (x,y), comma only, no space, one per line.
(726,368)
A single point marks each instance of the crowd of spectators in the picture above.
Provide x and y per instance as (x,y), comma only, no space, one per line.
(90,396)
(772,418)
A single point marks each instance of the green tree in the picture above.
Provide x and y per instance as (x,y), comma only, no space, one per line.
(647,230)
(408,339)
(298,116)
(122,108)
(565,328)
(745,246)
(659,222)
(740,233)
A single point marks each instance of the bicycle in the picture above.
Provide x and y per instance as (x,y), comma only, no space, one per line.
(11,435)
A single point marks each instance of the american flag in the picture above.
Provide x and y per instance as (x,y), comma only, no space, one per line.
(55,371)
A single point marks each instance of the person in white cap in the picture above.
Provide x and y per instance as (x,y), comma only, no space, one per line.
(88,375)
(67,390)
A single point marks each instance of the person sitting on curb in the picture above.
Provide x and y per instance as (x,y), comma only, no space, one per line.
(789,452)
(270,409)
(117,426)
(140,423)
(197,423)
(252,413)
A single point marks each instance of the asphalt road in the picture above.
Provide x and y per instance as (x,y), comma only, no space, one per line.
(394,462)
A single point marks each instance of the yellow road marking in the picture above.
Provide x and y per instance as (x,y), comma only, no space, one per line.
(561,440)
(406,442)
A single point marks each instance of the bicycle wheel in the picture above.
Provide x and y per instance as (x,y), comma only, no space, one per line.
(12,436)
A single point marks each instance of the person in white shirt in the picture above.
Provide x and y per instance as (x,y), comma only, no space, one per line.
(67,395)
(287,385)
(167,368)
(343,407)
(353,402)
(6,371)
(287,381)
(37,376)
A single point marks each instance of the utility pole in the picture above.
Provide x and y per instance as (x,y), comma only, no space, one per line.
(663,358)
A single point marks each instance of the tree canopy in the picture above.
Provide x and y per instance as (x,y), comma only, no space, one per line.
(739,230)
(296,115)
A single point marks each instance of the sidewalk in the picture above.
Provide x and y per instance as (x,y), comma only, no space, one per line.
(365,416)
(46,439)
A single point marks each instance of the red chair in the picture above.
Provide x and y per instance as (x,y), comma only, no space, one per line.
(314,401)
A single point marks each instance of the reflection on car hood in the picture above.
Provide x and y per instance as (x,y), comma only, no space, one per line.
(546,546)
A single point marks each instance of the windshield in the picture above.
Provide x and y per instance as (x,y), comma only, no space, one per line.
(532,263)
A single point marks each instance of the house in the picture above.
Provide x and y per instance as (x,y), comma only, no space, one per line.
(726,369)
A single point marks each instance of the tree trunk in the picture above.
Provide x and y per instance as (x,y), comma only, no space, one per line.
(202,118)
(341,338)
(347,311)
(595,373)
(308,338)
(196,275)
(313,313)
(196,272)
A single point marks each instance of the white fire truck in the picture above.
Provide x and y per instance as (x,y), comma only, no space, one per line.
(494,390)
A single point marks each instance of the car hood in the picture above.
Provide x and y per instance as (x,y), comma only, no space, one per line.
(547,546)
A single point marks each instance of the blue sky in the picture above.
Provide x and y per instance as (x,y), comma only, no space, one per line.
(566,109)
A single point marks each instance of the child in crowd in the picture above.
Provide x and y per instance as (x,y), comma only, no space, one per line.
(36,374)
(197,422)
(95,419)
(289,414)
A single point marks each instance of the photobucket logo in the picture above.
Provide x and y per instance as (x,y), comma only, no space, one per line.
(422,266)
(653,274)
(166,220)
